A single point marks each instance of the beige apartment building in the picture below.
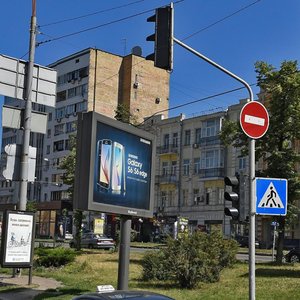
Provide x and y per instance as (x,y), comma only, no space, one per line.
(89,80)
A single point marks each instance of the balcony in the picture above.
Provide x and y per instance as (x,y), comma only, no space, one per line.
(166,179)
(167,149)
(212,172)
(209,141)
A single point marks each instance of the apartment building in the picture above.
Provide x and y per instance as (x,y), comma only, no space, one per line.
(190,170)
(89,80)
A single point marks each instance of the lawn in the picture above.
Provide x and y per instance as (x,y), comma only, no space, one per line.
(96,267)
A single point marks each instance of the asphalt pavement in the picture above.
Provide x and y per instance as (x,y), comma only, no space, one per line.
(25,291)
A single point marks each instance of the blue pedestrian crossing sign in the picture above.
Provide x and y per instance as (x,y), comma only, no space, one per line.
(271,196)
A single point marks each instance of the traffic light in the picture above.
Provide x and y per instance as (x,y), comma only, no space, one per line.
(162,38)
(232,196)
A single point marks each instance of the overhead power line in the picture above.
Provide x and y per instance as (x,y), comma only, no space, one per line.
(194,101)
(221,20)
(99,26)
(91,14)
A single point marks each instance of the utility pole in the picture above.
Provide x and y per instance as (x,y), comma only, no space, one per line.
(27,113)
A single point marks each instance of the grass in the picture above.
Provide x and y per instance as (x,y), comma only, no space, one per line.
(95,267)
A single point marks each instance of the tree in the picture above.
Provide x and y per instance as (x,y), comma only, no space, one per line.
(68,164)
(123,114)
(278,148)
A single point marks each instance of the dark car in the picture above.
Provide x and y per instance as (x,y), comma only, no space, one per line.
(93,240)
(243,241)
(293,256)
(132,295)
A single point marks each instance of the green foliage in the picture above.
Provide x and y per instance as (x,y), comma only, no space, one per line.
(280,90)
(123,114)
(68,164)
(78,217)
(54,257)
(31,206)
(190,259)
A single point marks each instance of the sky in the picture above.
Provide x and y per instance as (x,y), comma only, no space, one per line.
(233,33)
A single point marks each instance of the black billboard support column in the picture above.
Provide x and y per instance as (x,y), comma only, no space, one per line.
(124,250)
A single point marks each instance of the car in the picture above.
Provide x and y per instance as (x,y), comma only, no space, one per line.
(68,236)
(94,240)
(109,294)
(293,256)
(243,241)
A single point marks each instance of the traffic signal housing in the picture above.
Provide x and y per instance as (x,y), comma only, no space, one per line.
(232,196)
(162,38)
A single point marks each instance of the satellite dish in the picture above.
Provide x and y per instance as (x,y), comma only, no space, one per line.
(137,50)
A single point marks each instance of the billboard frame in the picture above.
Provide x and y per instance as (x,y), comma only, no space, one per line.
(85,166)
(6,226)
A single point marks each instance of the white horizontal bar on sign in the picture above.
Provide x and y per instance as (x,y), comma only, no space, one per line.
(254,120)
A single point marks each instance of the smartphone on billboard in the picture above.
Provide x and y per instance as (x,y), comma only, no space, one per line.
(117,167)
(105,153)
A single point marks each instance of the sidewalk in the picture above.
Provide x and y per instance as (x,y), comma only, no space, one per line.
(25,291)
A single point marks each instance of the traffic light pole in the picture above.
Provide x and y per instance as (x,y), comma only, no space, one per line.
(252,170)
(27,113)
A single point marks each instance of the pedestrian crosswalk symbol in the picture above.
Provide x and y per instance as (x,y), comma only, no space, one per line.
(271,196)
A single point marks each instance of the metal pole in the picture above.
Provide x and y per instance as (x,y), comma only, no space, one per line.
(124,251)
(251,171)
(27,113)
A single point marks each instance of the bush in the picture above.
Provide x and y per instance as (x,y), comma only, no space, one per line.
(153,266)
(56,257)
(190,259)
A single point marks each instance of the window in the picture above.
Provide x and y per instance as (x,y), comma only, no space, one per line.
(80,90)
(59,113)
(163,195)
(61,96)
(197,135)
(213,159)
(55,196)
(165,166)
(196,196)
(211,128)
(71,109)
(186,167)
(56,161)
(80,106)
(187,137)
(50,117)
(67,145)
(166,141)
(71,126)
(185,197)
(58,146)
(208,195)
(174,167)
(58,129)
(242,163)
(49,133)
(197,165)
(48,149)
(220,199)
(175,139)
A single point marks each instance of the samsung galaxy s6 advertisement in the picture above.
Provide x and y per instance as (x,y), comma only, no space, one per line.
(121,167)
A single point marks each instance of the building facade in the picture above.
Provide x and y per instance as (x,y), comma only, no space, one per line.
(90,80)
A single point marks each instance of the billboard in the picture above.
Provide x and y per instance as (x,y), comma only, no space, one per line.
(115,167)
(17,239)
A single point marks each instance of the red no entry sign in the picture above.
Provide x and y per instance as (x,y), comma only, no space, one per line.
(254,119)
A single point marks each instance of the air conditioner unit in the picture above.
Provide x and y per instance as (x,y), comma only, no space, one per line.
(195,146)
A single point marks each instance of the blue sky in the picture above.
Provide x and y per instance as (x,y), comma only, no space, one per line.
(244,31)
